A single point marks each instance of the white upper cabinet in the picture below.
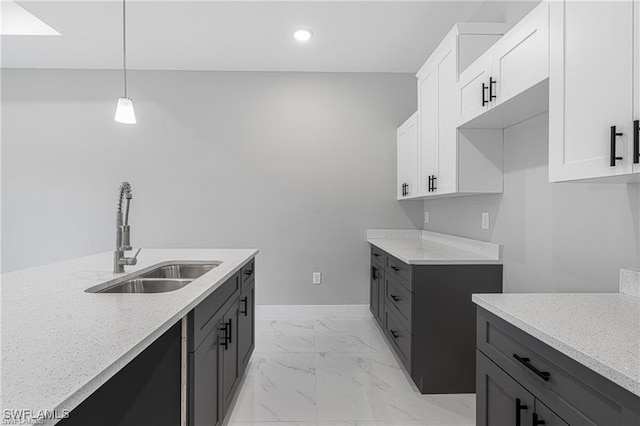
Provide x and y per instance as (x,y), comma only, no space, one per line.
(407,152)
(474,89)
(520,60)
(439,169)
(593,93)
(513,72)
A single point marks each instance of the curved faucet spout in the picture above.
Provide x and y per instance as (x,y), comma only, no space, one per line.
(123,231)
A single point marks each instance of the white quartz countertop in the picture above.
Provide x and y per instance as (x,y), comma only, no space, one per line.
(416,247)
(599,330)
(59,343)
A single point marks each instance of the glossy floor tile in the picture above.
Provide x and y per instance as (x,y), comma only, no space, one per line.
(335,372)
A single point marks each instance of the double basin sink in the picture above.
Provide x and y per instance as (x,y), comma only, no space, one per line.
(162,279)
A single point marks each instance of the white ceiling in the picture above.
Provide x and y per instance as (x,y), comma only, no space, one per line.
(356,36)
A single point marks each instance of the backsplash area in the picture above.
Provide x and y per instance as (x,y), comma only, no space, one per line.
(556,237)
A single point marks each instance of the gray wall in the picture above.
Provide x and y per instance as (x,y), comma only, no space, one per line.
(560,237)
(296,164)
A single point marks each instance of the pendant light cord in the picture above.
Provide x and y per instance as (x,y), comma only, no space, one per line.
(124,45)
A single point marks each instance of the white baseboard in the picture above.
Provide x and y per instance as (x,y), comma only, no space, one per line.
(312,311)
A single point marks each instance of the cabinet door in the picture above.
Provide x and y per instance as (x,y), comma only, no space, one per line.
(520,60)
(374,290)
(590,88)
(428,128)
(381,294)
(412,156)
(500,400)
(402,160)
(204,403)
(446,176)
(473,89)
(544,414)
(229,355)
(246,326)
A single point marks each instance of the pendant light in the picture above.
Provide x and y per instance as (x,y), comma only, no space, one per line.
(124,111)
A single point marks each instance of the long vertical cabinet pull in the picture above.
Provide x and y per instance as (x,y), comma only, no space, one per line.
(613,157)
(484,91)
(433,183)
(491,83)
(519,407)
(636,142)
(225,337)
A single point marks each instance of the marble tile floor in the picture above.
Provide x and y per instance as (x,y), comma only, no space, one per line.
(335,372)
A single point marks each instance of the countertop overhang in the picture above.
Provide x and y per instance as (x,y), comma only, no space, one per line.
(60,343)
(599,330)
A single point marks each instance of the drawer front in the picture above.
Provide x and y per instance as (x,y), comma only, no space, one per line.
(399,270)
(528,361)
(378,255)
(400,299)
(202,317)
(399,337)
(248,272)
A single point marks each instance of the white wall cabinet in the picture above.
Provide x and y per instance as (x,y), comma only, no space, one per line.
(440,169)
(593,93)
(407,157)
(515,64)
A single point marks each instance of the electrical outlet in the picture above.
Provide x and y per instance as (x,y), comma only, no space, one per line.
(426,217)
(317,278)
(485,220)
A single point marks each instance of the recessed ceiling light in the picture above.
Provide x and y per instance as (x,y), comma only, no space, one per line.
(17,21)
(302,34)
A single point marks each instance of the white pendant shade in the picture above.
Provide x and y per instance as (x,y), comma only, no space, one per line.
(124,111)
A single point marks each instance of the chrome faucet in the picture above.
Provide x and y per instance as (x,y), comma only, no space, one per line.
(123,237)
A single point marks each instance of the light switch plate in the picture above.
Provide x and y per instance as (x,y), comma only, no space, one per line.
(426,217)
(485,220)
(317,278)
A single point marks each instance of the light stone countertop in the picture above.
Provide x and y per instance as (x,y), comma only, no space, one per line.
(59,343)
(599,330)
(417,247)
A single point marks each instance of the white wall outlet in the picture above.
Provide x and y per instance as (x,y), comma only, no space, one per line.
(426,217)
(485,220)
(317,278)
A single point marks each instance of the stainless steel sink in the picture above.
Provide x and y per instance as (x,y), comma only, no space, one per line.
(178,271)
(162,279)
(147,285)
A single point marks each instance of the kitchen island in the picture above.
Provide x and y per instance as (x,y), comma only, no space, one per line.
(60,343)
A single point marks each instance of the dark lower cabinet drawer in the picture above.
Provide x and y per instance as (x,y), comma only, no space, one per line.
(401,299)
(399,270)
(248,272)
(378,255)
(576,394)
(202,318)
(399,337)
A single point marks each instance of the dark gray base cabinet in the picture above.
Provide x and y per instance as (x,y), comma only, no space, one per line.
(428,317)
(522,381)
(376,295)
(217,362)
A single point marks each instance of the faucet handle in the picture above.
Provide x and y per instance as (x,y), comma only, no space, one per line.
(134,259)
